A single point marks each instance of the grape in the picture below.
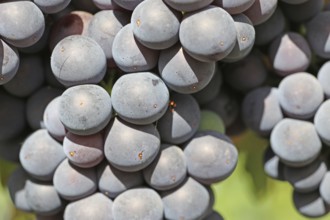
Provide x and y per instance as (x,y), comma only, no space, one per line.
(37,103)
(261,11)
(324,188)
(96,206)
(295,2)
(103,28)
(85,109)
(245,38)
(225,105)
(66,61)
(73,23)
(188,201)
(321,122)
(41,154)
(183,73)
(168,170)
(22,23)
(188,5)
(181,120)
(57,216)
(52,6)
(85,5)
(51,119)
(211,90)
(138,203)
(317,34)
(74,183)
(295,142)
(261,110)
(130,55)
(273,167)
(290,53)
(300,95)
(9,148)
(324,78)
(16,187)
(234,7)
(113,182)
(9,61)
(270,29)
(307,178)
(247,73)
(302,12)
(211,156)
(128,4)
(155,25)
(29,76)
(310,204)
(211,42)
(144,102)
(84,151)
(43,198)
(211,121)
(105,4)
(12,114)
(130,147)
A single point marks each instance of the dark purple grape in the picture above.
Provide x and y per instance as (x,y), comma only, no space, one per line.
(214,216)
(317,34)
(310,204)
(9,62)
(295,142)
(130,55)
(324,78)
(16,187)
(43,198)
(53,6)
(247,73)
(302,12)
(74,183)
(168,170)
(144,102)
(41,154)
(155,25)
(85,5)
(183,73)
(307,178)
(300,95)
(290,53)
(73,23)
(245,35)
(128,4)
(37,103)
(261,10)
(294,2)
(96,206)
(138,203)
(84,151)
(104,27)
(29,77)
(51,119)
(130,147)
(321,122)
(261,109)
(112,182)
(22,24)
(181,120)
(211,42)
(270,29)
(57,216)
(188,201)
(67,57)
(273,167)
(85,109)
(211,157)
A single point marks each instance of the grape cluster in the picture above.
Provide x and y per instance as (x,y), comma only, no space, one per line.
(104,105)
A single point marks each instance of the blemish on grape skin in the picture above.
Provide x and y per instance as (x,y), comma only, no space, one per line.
(138,22)
(155,105)
(244,38)
(172,105)
(140,155)
(72,153)
(221,43)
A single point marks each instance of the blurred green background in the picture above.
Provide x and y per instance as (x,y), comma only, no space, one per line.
(248,194)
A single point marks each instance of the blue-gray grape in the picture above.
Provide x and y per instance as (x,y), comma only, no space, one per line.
(9,60)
